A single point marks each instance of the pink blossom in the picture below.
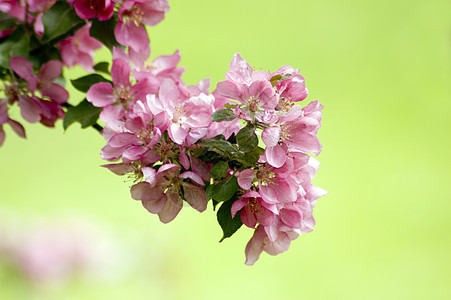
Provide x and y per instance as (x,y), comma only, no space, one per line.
(40,5)
(79,49)
(122,95)
(253,89)
(4,119)
(132,14)
(253,209)
(88,9)
(163,67)
(291,89)
(138,137)
(260,242)
(183,117)
(293,132)
(43,82)
(161,192)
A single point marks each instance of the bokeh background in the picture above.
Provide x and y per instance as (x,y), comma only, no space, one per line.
(382,69)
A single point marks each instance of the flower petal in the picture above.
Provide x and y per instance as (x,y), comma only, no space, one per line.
(22,67)
(17,128)
(51,70)
(172,207)
(195,196)
(271,136)
(101,94)
(276,156)
(55,92)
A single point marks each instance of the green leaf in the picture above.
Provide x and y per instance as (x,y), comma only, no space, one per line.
(228,224)
(229,105)
(58,20)
(225,189)
(84,113)
(223,115)
(253,156)
(102,67)
(219,170)
(7,22)
(279,78)
(247,139)
(219,146)
(84,83)
(104,32)
(16,44)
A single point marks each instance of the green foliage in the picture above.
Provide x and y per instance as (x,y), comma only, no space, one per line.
(219,170)
(16,44)
(58,20)
(84,83)
(223,190)
(279,78)
(223,115)
(228,224)
(6,21)
(228,105)
(222,147)
(84,113)
(104,32)
(247,139)
(102,67)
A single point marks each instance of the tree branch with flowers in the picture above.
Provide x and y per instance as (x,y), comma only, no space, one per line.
(244,148)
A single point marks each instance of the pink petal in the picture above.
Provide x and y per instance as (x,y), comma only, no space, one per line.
(55,92)
(51,70)
(131,35)
(29,109)
(242,68)
(124,139)
(173,206)
(184,158)
(119,169)
(120,73)
(265,217)
(271,136)
(22,67)
(229,89)
(17,128)
(119,53)
(134,152)
(276,156)
(177,133)
(155,206)
(255,246)
(169,167)
(111,153)
(280,245)
(150,175)
(107,12)
(139,58)
(237,205)
(100,94)
(2,135)
(112,113)
(168,93)
(248,217)
(193,176)
(305,143)
(195,196)
(245,179)
(291,217)
(84,9)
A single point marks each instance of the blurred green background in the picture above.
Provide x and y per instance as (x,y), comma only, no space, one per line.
(382,70)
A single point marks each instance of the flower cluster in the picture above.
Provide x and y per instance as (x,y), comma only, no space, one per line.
(179,143)
(245,147)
